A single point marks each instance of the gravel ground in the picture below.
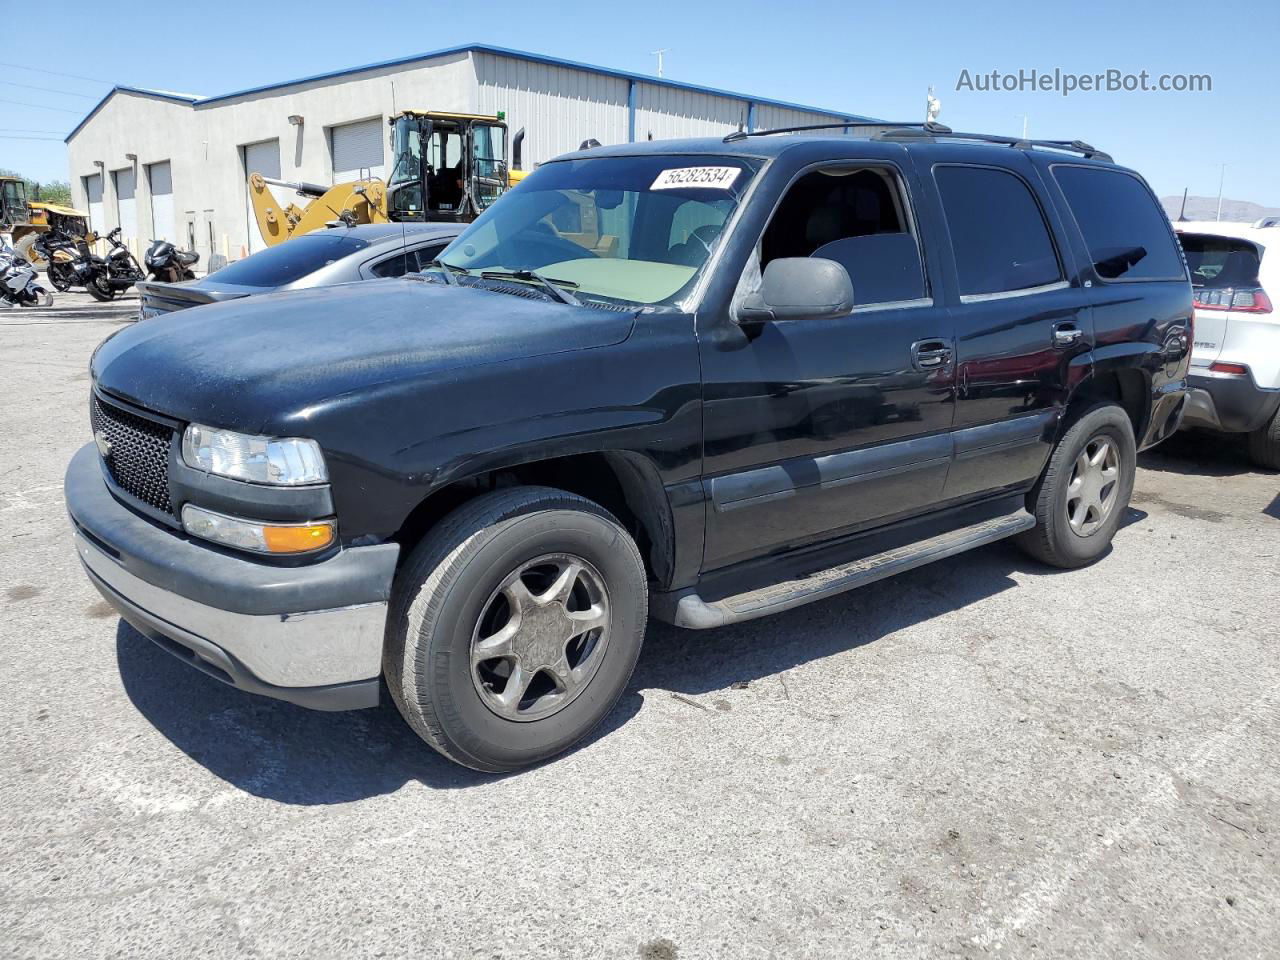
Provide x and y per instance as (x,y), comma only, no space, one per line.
(982,757)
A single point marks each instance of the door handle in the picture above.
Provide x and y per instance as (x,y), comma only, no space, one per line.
(1067,334)
(930,354)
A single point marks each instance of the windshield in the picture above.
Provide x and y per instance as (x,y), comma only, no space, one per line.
(289,261)
(406,145)
(632,230)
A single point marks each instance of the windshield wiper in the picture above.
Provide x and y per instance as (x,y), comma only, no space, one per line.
(448,269)
(550,284)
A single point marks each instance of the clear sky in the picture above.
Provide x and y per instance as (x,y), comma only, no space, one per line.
(870,59)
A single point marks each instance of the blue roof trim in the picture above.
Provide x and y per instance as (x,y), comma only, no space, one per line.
(535,58)
(159,95)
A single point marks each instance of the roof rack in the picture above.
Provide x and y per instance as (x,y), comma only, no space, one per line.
(931,130)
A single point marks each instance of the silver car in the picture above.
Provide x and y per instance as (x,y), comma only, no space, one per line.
(318,259)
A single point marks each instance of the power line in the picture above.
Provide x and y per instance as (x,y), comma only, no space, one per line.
(55,73)
(50,139)
(65,93)
(28,130)
(40,106)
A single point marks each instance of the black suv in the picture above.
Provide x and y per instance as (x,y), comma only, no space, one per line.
(707,380)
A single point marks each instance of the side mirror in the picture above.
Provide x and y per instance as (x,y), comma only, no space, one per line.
(799,288)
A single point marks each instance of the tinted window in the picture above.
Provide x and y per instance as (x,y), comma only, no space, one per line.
(997,232)
(1126,232)
(427,254)
(290,260)
(396,266)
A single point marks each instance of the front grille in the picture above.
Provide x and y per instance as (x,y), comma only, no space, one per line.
(138,455)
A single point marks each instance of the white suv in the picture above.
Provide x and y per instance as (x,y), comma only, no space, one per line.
(1235,359)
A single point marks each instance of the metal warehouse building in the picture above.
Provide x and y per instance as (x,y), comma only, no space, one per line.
(173,166)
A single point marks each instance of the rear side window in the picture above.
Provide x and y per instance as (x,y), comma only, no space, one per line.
(1127,234)
(396,266)
(998,233)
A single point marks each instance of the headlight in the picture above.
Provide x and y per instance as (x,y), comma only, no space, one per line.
(287,462)
(258,536)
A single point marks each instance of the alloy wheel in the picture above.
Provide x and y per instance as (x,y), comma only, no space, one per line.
(541,637)
(1091,492)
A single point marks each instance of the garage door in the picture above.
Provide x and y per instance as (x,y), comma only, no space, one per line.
(126,182)
(357,147)
(263,158)
(160,176)
(93,189)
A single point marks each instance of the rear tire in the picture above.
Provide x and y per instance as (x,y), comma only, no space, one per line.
(1078,502)
(59,277)
(100,289)
(457,597)
(1264,444)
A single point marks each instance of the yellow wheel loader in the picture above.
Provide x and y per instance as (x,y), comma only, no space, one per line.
(446,167)
(25,219)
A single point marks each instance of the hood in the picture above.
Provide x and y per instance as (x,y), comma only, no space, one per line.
(243,363)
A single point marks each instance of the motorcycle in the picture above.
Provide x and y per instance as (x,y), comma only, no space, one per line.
(68,259)
(114,273)
(169,264)
(18,286)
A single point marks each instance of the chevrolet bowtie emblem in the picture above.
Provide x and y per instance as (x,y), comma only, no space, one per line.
(104,445)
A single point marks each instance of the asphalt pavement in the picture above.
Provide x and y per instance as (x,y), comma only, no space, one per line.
(982,757)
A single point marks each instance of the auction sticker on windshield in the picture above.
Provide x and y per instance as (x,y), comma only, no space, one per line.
(705,178)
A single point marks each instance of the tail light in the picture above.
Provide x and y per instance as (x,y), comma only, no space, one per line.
(1243,300)
(1236,369)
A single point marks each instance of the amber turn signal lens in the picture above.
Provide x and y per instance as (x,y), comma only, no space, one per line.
(297,539)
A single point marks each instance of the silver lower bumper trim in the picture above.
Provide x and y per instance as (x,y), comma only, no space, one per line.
(312,649)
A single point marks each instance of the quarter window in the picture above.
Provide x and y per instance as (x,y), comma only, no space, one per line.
(1127,234)
(998,234)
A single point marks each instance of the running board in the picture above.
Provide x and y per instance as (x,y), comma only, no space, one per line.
(687,609)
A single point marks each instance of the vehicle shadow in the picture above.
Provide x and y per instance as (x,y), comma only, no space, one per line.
(282,752)
(1200,453)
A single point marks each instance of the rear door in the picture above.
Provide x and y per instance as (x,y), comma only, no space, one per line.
(1023,327)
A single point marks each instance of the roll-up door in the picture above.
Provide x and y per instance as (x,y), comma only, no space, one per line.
(357,148)
(160,177)
(93,191)
(126,183)
(263,158)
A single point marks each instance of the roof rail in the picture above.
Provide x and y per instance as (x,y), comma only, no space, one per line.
(743,134)
(929,130)
(1018,143)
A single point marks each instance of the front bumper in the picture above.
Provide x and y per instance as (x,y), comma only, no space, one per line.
(1231,403)
(309,634)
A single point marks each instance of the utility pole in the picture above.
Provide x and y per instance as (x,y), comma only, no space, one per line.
(1222,175)
(658,54)
(1025,118)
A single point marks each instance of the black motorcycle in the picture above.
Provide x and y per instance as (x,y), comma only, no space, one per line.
(114,273)
(169,264)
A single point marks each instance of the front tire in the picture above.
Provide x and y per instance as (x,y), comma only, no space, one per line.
(1081,497)
(514,627)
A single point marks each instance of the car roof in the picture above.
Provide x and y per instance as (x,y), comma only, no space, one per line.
(379,233)
(765,147)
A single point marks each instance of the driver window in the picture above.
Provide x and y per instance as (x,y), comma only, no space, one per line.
(858,218)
